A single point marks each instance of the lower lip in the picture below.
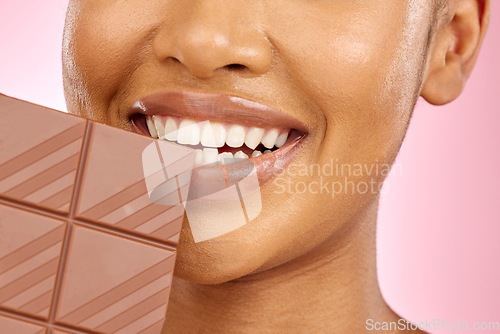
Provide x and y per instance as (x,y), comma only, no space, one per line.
(271,164)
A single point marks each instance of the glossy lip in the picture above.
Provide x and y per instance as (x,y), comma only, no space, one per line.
(226,109)
(215,107)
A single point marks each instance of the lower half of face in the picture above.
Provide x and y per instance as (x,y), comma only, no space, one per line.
(347,71)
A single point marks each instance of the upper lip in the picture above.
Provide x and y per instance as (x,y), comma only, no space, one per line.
(214,107)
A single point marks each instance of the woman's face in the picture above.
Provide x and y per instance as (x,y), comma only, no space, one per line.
(349,70)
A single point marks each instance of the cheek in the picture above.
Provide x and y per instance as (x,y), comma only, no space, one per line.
(361,67)
(106,42)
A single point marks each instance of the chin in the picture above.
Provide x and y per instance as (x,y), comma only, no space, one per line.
(218,260)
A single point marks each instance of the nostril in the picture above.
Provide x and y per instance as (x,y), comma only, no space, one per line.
(235,67)
(173,59)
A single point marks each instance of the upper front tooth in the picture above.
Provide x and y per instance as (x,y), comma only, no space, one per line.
(171,129)
(213,135)
(269,138)
(281,139)
(188,133)
(236,136)
(253,137)
(160,128)
(151,127)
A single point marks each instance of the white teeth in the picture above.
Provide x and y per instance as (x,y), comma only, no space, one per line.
(240,155)
(236,136)
(171,129)
(282,138)
(198,158)
(256,154)
(270,138)
(210,155)
(213,135)
(188,133)
(253,137)
(220,134)
(160,128)
(151,127)
(226,157)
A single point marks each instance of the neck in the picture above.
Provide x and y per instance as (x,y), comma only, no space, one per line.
(333,288)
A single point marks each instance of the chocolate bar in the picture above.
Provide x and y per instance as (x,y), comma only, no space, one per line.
(90,218)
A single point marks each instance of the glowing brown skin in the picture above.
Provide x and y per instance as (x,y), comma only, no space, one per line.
(350,70)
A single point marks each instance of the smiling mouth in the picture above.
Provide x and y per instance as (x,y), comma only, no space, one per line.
(221,129)
(219,142)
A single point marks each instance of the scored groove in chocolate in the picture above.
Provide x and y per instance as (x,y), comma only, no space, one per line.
(28,261)
(44,183)
(12,325)
(127,206)
(44,178)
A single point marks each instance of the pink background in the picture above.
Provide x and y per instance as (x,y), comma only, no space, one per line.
(439,228)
